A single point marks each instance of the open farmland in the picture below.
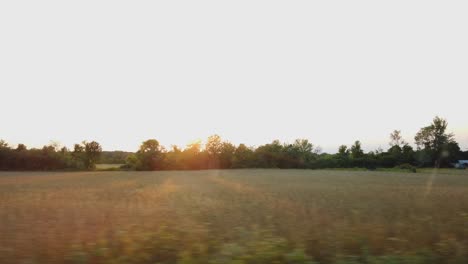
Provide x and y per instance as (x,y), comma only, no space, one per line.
(234,216)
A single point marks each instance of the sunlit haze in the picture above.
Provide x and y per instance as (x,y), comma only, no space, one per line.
(120,72)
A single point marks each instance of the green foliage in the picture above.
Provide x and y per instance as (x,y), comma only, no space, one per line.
(435,147)
(86,154)
(356,151)
(113,157)
(49,157)
(92,153)
(219,154)
(149,156)
(438,144)
(243,157)
(298,256)
(408,167)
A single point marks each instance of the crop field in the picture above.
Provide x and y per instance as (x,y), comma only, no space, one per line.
(234,216)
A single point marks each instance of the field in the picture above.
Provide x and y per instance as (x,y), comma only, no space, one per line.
(234,216)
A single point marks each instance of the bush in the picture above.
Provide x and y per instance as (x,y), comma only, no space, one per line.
(407,166)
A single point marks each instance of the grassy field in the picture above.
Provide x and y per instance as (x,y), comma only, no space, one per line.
(234,216)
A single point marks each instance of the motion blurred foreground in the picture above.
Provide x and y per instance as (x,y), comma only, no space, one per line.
(235,216)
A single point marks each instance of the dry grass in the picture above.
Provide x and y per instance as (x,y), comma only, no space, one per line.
(196,217)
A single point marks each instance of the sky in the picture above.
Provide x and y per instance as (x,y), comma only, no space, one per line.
(121,72)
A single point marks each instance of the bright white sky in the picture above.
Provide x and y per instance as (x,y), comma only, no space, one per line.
(120,72)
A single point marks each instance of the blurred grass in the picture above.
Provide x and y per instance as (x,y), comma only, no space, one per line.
(108,166)
(234,216)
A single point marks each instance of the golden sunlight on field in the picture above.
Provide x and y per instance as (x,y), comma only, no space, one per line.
(236,216)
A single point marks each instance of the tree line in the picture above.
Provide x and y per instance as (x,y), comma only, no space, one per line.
(434,147)
(84,156)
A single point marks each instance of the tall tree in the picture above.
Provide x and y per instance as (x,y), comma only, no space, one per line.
(192,156)
(396,143)
(356,150)
(174,158)
(213,148)
(243,157)
(343,151)
(21,147)
(150,145)
(3,144)
(300,154)
(78,156)
(270,155)
(342,157)
(5,155)
(434,139)
(227,155)
(214,145)
(92,151)
(149,156)
(396,139)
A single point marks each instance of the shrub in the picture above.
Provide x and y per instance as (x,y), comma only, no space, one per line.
(407,166)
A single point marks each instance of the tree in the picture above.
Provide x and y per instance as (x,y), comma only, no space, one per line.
(303,146)
(407,154)
(395,150)
(343,151)
(214,145)
(86,154)
(132,162)
(192,157)
(400,151)
(5,155)
(356,150)
(173,160)
(227,155)
(21,147)
(300,154)
(78,156)
(342,157)
(92,153)
(213,148)
(396,139)
(270,155)
(149,146)
(3,144)
(243,157)
(433,139)
(149,156)
(451,153)
(219,153)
